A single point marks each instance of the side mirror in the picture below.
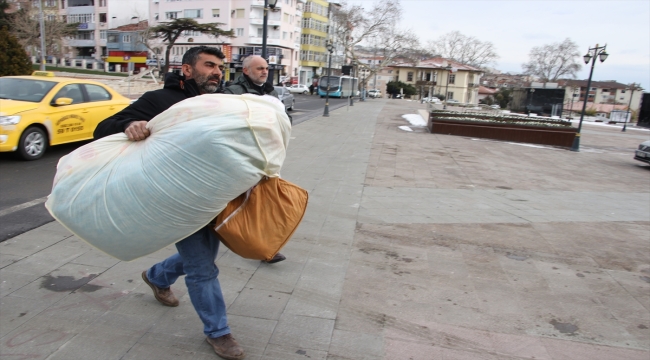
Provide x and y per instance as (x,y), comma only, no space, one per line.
(62,101)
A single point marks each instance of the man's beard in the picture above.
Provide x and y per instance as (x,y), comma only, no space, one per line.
(205,86)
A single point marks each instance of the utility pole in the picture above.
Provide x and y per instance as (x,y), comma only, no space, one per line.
(628,115)
(41,19)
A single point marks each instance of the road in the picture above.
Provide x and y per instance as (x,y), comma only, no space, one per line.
(24,185)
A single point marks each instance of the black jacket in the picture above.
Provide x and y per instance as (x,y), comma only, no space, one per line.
(243,85)
(149,105)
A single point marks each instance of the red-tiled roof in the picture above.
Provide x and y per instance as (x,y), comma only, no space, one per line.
(133,27)
(486,91)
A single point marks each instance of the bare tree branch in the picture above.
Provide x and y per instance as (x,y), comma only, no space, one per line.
(464,49)
(554,61)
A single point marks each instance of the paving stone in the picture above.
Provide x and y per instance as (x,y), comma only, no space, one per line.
(303,332)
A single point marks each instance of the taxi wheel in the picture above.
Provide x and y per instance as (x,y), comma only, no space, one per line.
(33,143)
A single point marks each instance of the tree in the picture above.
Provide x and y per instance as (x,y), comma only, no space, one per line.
(355,26)
(26,28)
(169,32)
(4,17)
(554,61)
(393,88)
(464,49)
(13,58)
(503,97)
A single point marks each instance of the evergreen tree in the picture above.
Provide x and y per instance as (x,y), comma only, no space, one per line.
(13,58)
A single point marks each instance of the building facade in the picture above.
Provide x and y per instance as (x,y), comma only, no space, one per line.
(245,18)
(602,93)
(313,37)
(431,77)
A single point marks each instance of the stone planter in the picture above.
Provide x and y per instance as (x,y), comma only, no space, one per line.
(552,135)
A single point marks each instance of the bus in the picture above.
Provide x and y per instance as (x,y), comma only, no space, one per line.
(340,86)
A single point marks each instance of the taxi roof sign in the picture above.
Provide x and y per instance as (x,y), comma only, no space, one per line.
(43,73)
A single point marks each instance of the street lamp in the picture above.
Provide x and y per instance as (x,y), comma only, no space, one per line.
(591,55)
(330,49)
(362,72)
(530,102)
(352,72)
(448,68)
(629,107)
(267,4)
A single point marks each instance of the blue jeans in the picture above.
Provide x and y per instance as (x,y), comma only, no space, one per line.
(195,260)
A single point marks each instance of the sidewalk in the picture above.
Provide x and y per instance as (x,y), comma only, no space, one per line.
(414,246)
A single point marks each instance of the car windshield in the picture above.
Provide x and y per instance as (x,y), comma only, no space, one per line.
(32,90)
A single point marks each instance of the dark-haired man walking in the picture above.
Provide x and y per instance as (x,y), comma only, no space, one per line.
(202,71)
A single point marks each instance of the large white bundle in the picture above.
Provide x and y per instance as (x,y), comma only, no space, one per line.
(130,199)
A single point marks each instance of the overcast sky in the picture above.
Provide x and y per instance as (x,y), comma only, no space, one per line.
(515,26)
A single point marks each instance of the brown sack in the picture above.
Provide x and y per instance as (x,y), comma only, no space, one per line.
(258,223)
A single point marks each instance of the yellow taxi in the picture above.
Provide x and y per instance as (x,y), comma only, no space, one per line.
(41,110)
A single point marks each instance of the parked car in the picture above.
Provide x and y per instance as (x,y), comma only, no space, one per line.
(298,89)
(374,93)
(495,106)
(286,97)
(453,101)
(42,110)
(433,100)
(643,152)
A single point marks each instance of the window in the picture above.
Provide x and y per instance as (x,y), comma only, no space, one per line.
(102,3)
(286,17)
(215,12)
(605,90)
(452,78)
(97,93)
(62,4)
(112,38)
(72,91)
(239,13)
(259,32)
(240,32)
(102,17)
(126,38)
(171,15)
(284,35)
(50,3)
(193,13)
(50,17)
(102,34)
(81,18)
(623,91)
(84,35)
(450,95)
(409,76)
(156,17)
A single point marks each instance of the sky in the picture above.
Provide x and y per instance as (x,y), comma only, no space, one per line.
(516,26)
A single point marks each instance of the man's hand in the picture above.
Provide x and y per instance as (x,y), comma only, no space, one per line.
(137,130)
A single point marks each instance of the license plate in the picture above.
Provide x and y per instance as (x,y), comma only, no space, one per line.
(640,154)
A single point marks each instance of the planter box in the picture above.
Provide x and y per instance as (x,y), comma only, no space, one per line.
(555,136)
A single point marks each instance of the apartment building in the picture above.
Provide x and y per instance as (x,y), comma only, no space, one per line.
(95,18)
(431,77)
(245,18)
(313,37)
(608,92)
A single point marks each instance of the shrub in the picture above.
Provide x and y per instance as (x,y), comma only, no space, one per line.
(13,58)
(591,111)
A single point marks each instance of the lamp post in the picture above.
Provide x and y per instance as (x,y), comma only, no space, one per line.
(330,49)
(267,4)
(448,68)
(592,54)
(41,22)
(629,107)
(354,64)
(530,102)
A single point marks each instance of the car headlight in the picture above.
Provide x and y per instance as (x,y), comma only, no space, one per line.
(9,120)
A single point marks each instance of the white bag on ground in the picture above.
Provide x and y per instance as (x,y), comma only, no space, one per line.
(130,199)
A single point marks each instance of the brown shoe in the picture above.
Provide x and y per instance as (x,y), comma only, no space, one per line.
(226,347)
(164,296)
(277,258)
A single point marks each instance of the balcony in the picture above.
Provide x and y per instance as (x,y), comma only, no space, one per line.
(81,43)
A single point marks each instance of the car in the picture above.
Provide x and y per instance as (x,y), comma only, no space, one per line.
(374,93)
(42,110)
(495,106)
(298,89)
(286,97)
(433,100)
(452,101)
(643,152)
